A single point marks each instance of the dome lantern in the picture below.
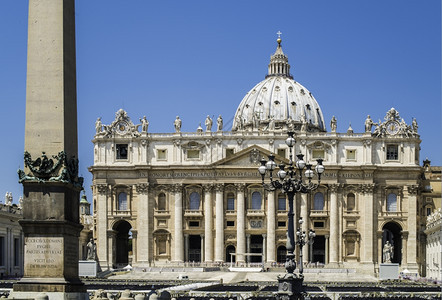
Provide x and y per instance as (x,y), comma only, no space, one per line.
(279,62)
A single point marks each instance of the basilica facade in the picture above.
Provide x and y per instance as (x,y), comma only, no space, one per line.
(198,197)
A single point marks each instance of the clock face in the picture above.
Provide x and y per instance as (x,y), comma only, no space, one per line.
(392,127)
(122,127)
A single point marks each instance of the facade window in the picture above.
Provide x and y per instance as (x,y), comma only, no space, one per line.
(121,151)
(230,152)
(122,201)
(392,202)
(282,203)
(230,201)
(161,154)
(194,203)
(318,201)
(351,248)
(256,200)
(318,224)
(351,202)
(351,154)
(392,152)
(193,154)
(194,224)
(317,153)
(230,223)
(281,152)
(162,247)
(281,223)
(429,210)
(162,201)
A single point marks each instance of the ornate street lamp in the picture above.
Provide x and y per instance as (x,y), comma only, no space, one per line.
(301,240)
(290,182)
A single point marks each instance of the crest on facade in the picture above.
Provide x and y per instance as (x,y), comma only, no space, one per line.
(394,125)
(121,126)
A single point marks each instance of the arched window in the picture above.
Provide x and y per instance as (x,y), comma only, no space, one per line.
(351,202)
(392,202)
(122,201)
(230,201)
(319,201)
(194,201)
(162,201)
(282,202)
(256,200)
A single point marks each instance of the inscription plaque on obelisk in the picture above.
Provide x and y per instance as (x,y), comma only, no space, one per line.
(51,185)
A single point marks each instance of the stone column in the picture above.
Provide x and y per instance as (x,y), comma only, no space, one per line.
(271,228)
(219,223)
(134,248)
(412,224)
(304,216)
(327,249)
(367,227)
(100,190)
(240,223)
(178,223)
(202,248)
(111,238)
(334,225)
(143,220)
(264,248)
(208,224)
(404,236)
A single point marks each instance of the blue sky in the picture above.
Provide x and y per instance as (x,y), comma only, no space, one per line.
(197,58)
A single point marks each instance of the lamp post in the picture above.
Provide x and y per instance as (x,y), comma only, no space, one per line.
(290,182)
(301,241)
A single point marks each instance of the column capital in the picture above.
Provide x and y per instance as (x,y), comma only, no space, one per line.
(334,187)
(176,188)
(368,188)
(207,188)
(240,187)
(412,189)
(404,235)
(101,188)
(219,187)
(142,188)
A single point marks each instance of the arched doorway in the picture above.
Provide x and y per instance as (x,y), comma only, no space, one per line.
(123,243)
(392,232)
(281,254)
(230,250)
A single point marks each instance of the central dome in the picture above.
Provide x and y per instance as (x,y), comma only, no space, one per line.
(279,102)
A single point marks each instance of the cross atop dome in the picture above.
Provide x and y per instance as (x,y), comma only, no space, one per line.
(279,38)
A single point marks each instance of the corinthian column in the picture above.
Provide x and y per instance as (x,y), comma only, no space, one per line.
(240,223)
(219,223)
(368,234)
(208,224)
(411,252)
(271,227)
(178,236)
(334,225)
(143,240)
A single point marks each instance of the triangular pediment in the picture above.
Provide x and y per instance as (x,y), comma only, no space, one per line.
(251,156)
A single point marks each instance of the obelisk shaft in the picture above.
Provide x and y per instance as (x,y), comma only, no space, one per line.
(51,97)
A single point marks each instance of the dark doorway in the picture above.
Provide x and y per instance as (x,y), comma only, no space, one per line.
(256,247)
(123,243)
(281,254)
(230,250)
(319,250)
(194,248)
(392,232)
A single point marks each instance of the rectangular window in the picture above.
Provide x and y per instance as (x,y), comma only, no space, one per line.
(121,151)
(230,223)
(230,203)
(282,203)
(351,154)
(193,154)
(318,154)
(318,224)
(281,224)
(429,211)
(281,152)
(16,252)
(230,152)
(162,247)
(392,152)
(194,224)
(161,154)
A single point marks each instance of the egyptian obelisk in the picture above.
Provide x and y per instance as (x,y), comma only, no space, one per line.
(51,185)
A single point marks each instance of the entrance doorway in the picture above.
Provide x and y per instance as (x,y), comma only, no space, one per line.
(256,247)
(194,248)
(392,232)
(229,251)
(319,250)
(123,243)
